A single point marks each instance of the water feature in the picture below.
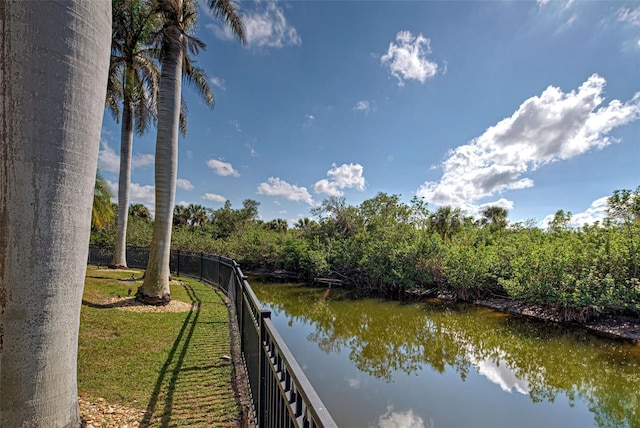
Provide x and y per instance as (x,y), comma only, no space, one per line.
(378,363)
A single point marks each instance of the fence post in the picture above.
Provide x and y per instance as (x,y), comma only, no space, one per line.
(263,366)
(238,284)
(201,264)
(178,263)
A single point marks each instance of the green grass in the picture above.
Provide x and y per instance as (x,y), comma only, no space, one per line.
(167,364)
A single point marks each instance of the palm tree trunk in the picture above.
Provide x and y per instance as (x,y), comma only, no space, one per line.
(155,288)
(54,59)
(126,147)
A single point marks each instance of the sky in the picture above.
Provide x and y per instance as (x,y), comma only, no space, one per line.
(532,106)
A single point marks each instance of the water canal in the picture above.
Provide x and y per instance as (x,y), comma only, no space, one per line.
(378,363)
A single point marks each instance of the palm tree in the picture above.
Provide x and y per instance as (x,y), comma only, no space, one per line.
(277,224)
(102,212)
(305,223)
(494,217)
(133,81)
(180,215)
(139,211)
(446,220)
(55,62)
(175,43)
(197,215)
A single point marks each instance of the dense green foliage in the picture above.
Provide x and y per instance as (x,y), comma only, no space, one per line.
(389,246)
(102,211)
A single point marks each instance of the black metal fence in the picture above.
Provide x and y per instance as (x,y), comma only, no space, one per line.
(281,393)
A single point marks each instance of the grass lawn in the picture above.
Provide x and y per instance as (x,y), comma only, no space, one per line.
(167,364)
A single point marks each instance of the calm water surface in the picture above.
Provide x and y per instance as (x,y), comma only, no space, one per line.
(377,363)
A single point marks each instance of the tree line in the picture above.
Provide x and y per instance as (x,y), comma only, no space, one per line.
(385,245)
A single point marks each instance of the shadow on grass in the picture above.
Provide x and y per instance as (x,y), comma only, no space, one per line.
(110,278)
(180,348)
(120,304)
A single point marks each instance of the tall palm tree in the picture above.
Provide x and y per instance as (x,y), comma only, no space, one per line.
(175,43)
(494,217)
(55,59)
(180,215)
(133,82)
(139,211)
(446,220)
(197,215)
(102,212)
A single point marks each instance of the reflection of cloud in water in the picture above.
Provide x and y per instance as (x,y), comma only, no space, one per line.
(353,382)
(404,419)
(498,372)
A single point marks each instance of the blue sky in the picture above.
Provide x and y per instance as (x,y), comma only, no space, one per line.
(533,106)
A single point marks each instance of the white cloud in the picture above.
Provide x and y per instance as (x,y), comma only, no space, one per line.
(236,125)
(185,184)
(567,4)
(631,16)
(327,187)
(109,160)
(139,160)
(308,120)
(407,59)
(362,106)
(142,194)
(596,212)
(342,177)
(277,187)
(498,372)
(406,419)
(138,194)
(475,210)
(214,197)
(547,128)
(218,82)
(351,381)
(567,24)
(223,169)
(264,28)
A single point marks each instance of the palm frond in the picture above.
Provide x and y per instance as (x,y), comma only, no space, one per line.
(194,45)
(228,12)
(184,111)
(102,212)
(196,77)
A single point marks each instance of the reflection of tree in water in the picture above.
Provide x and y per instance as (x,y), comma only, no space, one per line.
(384,337)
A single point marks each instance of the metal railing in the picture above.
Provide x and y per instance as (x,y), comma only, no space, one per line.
(281,394)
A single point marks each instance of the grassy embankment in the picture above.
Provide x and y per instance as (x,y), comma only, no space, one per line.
(166,364)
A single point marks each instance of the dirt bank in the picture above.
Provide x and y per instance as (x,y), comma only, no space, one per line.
(615,326)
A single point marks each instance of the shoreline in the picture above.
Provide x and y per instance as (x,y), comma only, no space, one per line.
(619,327)
(622,327)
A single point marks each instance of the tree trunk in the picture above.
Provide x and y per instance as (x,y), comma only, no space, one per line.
(126,147)
(54,61)
(155,288)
